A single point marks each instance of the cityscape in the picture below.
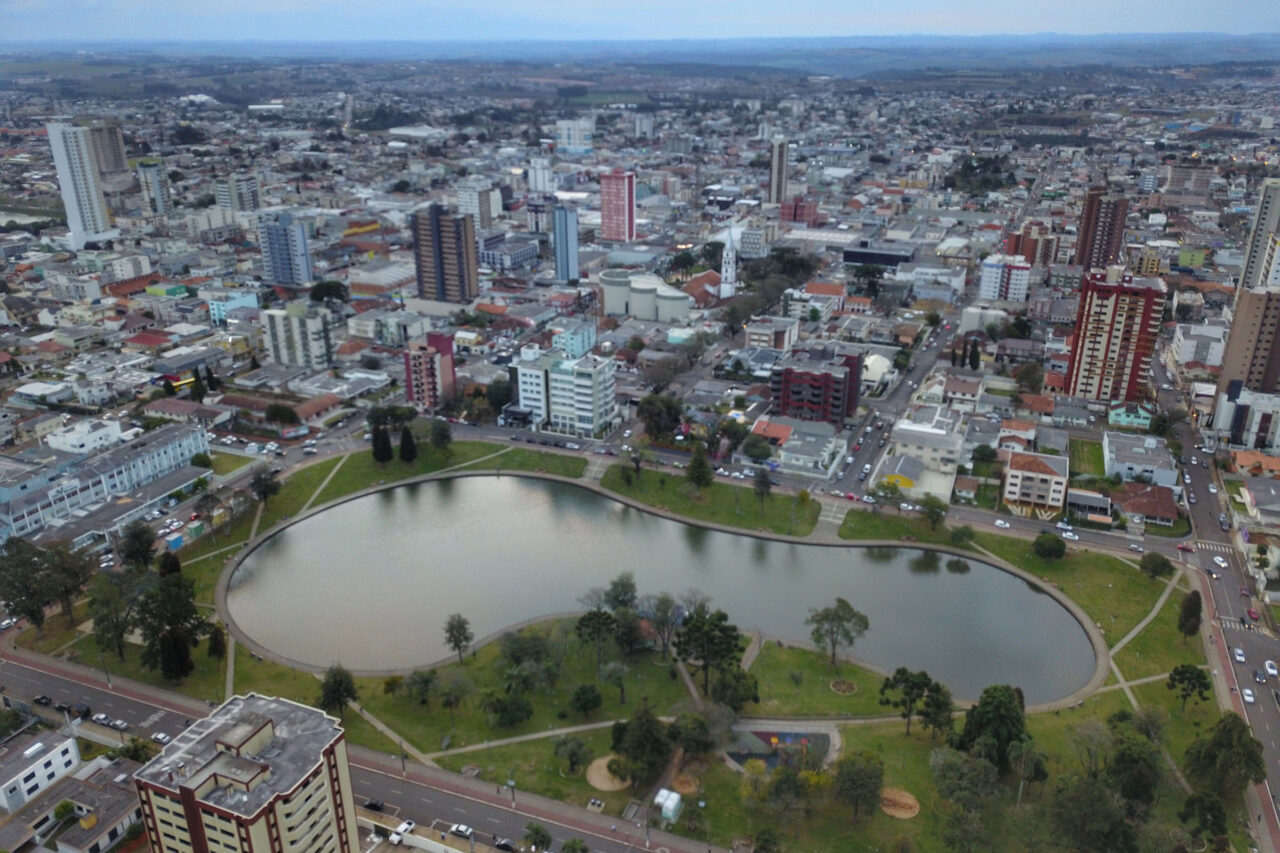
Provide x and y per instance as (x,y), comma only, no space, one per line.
(586,436)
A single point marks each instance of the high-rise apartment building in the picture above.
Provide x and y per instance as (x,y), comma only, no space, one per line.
(155,188)
(1005,278)
(565,234)
(1101,236)
(238,193)
(1266,222)
(541,178)
(429,372)
(1252,357)
(575,396)
(1115,336)
(618,206)
(576,135)
(108,149)
(1035,243)
(299,334)
(286,255)
(88,219)
(258,775)
(444,255)
(777,171)
(478,199)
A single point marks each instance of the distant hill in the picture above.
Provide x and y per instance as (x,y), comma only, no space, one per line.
(854,56)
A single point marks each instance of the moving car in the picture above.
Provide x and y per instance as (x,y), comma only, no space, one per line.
(1002,524)
(1062,525)
(1137,549)
(1270,667)
(1067,534)
(1190,549)
(1238,654)
(1221,562)
(1259,676)
(1248,695)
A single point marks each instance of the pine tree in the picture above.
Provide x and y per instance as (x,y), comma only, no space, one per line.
(975,357)
(408,447)
(382,450)
(699,471)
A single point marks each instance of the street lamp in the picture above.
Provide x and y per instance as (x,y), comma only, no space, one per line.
(102,660)
(511,783)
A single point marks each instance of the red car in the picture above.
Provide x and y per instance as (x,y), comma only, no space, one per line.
(857,447)
(1253,614)
(851,496)
(1190,549)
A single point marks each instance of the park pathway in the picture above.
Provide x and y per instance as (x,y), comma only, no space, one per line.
(1170,586)
(342,460)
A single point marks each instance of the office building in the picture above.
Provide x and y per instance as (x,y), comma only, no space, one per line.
(540,177)
(575,135)
(258,775)
(240,193)
(618,206)
(1115,336)
(572,396)
(108,149)
(777,171)
(1101,236)
(286,255)
(429,372)
(155,188)
(478,199)
(565,234)
(80,184)
(299,334)
(1004,278)
(444,255)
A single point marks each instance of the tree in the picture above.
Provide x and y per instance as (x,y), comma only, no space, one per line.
(138,545)
(1134,768)
(279,413)
(168,564)
(25,582)
(1204,814)
(169,621)
(984,453)
(1226,758)
(838,625)
(1090,816)
(441,435)
(499,393)
(998,715)
(933,318)
(1155,565)
(457,633)
(1049,546)
(217,645)
(577,845)
(859,778)
(975,357)
(938,712)
(1030,377)
(961,536)
(889,493)
(964,780)
(699,473)
(627,631)
(662,619)
(734,688)
(912,690)
(710,641)
(757,448)
(585,699)
(621,592)
(1189,615)
(420,683)
(934,510)
(197,390)
(456,688)
(616,674)
(1189,680)
(691,733)
(754,787)
(513,710)
(574,750)
(408,445)
(68,570)
(660,414)
(380,445)
(762,486)
(64,811)
(537,836)
(595,627)
(113,602)
(645,746)
(211,382)
(337,688)
(1027,761)
(264,486)
(323,291)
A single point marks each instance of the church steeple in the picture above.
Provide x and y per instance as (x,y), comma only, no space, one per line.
(729,268)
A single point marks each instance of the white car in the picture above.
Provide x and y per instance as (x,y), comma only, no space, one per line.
(401,831)
(1221,562)
(101,719)
(1270,667)
(1002,524)
(867,499)
(1067,534)
(1248,695)
(120,725)
(461,830)
(161,738)
(1213,490)
(906,507)
(1238,654)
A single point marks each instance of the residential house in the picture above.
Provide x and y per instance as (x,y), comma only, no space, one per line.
(1035,484)
(1136,416)
(1144,503)
(1134,457)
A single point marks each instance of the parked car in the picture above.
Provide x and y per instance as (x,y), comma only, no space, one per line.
(906,507)
(506,844)
(161,738)
(102,719)
(1002,524)
(374,805)
(868,499)
(1137,549)
(43,700)
(120,725)
(1253,614)
(401,831)
(1067,534)
(461,830)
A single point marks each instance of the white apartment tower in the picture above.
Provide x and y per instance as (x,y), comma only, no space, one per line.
(238,193)
(1004,278)
(541,179)
(155,188)
(88,219)
(298,334)
(729,268)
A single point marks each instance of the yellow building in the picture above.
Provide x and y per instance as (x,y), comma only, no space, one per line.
(235,781)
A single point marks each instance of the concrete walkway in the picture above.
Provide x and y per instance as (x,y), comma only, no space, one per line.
(342,460)
(1170,586)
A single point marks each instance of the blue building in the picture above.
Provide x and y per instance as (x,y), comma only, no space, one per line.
(286,256)
(565,231)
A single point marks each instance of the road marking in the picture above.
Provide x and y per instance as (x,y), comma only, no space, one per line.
(396,791)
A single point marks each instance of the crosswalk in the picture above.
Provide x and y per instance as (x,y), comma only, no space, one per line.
(1222,547)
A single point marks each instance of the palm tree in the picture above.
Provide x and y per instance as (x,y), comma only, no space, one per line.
(488,700)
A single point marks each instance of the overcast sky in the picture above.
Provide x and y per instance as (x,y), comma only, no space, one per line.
(431,20)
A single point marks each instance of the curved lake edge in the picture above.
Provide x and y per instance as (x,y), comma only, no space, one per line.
(1101,653)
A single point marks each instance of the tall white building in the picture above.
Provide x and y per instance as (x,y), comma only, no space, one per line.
(573,396)
(478,199)
(541,178)
(286,255)
(299,334)
(1005,278)
(88,219)
(1266,222)
(238,193)
(575,135)
(155,188)
(729,268)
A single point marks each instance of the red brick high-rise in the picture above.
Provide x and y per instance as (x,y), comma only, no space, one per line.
(618,206)
(429,376)
(1101,228)
(1115,337)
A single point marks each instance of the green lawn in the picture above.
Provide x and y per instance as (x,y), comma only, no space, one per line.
(988,496)
(57,631)
(1086,458)
(991,470)
(536,769)
(721,503)
(520,459)
(426,726)
(1180,528)
(888,524)
(225,463)
(813,697)
(205,682)
(295,491)
(360,471)
(1114,594)
(1159,648)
